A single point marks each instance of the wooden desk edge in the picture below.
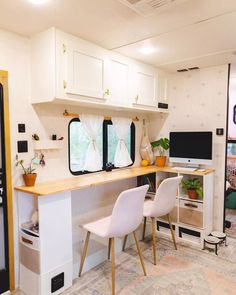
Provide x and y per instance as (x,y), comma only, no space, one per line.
(64,185)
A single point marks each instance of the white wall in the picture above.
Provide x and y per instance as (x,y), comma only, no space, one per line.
(198,102)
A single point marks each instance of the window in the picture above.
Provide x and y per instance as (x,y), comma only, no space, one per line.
(106,142)
(78,145)
(111,140)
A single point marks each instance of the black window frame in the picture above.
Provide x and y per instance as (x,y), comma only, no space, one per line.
(104,147)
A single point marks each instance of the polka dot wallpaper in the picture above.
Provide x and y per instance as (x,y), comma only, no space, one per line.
(198,102)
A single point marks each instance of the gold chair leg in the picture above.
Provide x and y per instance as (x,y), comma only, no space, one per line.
(109,249)
(139,253)
(154,240)
(124,243)
(84,253)
(172,231)
(113,265)
(144,227)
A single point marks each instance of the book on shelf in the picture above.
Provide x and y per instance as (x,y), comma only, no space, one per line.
(147,180)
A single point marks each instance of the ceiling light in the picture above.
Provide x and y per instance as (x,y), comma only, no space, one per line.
(147,50)
(38,2)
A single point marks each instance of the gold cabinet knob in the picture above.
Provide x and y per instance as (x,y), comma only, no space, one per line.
(107,92)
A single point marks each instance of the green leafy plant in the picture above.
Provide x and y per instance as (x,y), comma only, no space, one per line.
(193,184)
(162,145)
(27,169)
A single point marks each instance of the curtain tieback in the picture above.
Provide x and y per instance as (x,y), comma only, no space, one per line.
(94,143)
(121,140)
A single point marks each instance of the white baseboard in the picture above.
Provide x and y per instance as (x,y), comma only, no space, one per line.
(6,293)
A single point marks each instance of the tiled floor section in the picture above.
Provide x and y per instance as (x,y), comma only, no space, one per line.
(184,272)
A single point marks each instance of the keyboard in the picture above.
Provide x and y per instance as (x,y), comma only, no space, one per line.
(184,168)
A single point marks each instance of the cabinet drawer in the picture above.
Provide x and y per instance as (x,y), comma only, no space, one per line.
(29,240)
(29,252)
(30,258)
(191,213)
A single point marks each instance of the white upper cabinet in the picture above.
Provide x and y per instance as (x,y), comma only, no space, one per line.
(117,81)
(144,86)
(67,69)
(85,67)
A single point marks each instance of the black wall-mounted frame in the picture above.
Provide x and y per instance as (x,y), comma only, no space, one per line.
(105,145)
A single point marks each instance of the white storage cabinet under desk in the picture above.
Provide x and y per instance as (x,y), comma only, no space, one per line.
(46,256)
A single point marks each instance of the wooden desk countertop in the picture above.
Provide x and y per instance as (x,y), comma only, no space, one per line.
(92,179)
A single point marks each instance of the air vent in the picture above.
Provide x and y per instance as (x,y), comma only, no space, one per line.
(149,7)
(189,69)
(193,68)
(182,70)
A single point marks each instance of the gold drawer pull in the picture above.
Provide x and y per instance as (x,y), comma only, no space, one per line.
(27,241)
(190,205)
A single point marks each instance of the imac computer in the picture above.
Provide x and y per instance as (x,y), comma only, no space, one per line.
(192,148)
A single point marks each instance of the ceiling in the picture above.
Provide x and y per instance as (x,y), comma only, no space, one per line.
(193,33)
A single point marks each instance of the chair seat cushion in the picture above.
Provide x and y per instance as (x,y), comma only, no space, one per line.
(98,227)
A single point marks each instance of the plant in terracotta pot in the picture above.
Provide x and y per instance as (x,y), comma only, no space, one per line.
(162,145)
(29,176)
(193,188)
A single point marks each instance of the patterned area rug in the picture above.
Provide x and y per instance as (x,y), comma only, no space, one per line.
(184,272)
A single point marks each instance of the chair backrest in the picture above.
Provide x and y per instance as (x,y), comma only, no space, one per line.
(127,212)
(165,197)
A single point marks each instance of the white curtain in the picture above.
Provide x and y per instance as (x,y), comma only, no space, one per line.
(92,124)
(122,156)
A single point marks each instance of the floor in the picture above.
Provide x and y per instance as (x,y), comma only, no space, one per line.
(187,271)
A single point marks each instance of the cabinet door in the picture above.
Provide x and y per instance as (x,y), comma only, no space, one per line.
(145,88)
(162,90)
(117,81)
(85,71)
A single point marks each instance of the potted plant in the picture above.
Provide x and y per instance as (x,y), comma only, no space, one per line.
(162,145)
(193,188)
(29,176)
